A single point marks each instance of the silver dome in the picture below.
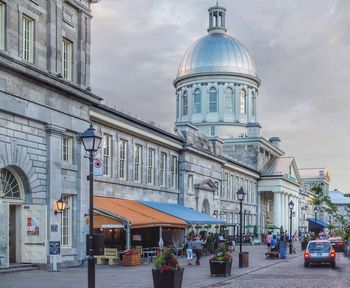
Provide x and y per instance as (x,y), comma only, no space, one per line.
(217,53)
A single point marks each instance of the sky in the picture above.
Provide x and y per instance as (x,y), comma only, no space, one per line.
(301,49)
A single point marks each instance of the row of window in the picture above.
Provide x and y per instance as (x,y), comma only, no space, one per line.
(233,218)
(138,163)
(231,184)
(28,42)
(213,102)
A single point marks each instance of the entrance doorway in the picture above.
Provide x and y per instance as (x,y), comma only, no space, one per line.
(12,234)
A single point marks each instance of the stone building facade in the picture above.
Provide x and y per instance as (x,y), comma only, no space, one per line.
(46,102)
(44,105)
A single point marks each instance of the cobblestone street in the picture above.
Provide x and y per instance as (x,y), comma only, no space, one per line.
(260,273)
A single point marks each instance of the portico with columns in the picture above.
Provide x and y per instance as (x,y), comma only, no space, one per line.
(280,184)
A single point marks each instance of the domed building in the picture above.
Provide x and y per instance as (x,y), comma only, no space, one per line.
(217,83)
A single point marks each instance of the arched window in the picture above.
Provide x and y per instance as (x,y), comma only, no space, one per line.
(197,101)
(229,101)
(213,100)
(243,102)
(184,104)
(9,185)
(253,104)
(177,105)
(206,207)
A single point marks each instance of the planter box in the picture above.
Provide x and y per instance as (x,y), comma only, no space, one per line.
(220,267)
(168,279)
(131,260)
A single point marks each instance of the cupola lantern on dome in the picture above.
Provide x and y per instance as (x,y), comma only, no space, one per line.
(217,19)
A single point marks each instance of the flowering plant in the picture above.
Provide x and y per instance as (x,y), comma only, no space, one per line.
(131,252)
(167,261)
(221,255)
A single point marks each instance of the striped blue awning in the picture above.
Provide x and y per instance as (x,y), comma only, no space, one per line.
(184,213)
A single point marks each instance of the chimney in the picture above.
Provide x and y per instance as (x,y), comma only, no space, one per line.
(253,130)
(217,145)
(188,131)
(275,141)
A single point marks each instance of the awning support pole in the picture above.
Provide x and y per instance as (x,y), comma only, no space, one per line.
(128,236)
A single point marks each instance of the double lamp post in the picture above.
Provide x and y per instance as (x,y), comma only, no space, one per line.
(91,142)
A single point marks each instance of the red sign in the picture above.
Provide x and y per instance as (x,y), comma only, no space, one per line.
(29,221)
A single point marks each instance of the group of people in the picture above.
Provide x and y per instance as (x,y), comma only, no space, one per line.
(276,242)
(194,245)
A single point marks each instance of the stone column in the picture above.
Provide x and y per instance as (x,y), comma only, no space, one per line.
(283,221)
(277,209)
(54,138)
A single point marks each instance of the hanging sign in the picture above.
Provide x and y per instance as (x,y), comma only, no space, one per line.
(98,167)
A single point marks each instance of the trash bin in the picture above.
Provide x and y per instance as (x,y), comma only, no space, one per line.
(283,251)
(244,257)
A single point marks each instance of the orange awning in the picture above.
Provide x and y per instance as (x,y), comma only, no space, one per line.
(102,221)
(139,215)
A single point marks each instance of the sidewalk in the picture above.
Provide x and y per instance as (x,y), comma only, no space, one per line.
(137,276)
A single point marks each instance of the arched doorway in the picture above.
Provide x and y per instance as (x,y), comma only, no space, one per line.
(206,207)
(12,194)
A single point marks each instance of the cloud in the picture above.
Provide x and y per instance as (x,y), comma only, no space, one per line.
(301,50)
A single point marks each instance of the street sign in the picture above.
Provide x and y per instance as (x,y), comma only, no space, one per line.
(98,167)
(55,247)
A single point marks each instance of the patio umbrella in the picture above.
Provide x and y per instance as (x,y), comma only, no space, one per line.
(271,226)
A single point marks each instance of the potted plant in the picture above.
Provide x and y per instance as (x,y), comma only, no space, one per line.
(131,257)
(304,242)
(167,272)
(221,263)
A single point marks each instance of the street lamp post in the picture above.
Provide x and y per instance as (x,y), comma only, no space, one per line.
(315,210)
(91,143)
(240,196)
(291,206)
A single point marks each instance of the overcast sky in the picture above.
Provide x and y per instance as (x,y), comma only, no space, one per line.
(301,49)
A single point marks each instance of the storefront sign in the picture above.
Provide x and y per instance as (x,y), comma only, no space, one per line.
(55,247)
(54,228)
(136,237)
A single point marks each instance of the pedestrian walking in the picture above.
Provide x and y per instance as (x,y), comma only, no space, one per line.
(197,247)
(189,249)
(268,241)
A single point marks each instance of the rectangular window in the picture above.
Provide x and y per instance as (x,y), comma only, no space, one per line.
(2,26)
(225,186)
(162,169)
(107,155)
(28,39)
(67,59)
(123,159)
(66,232)
(173,172)
(212,131)
(231,189)
(190,183)
(67,149)
(247,191)
(151,166)
(185,105)
(138,163)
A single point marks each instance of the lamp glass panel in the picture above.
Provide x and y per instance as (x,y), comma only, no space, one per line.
(88,143)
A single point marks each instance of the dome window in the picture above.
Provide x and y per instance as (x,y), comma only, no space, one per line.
(243,102)
(197,101)
(229,101)
(184,104)
(213,100)
(253,105)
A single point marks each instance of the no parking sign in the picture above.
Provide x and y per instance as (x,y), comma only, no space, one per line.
(98,168)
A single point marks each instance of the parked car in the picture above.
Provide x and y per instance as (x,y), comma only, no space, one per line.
(319,252)
(337,243)
(347,248)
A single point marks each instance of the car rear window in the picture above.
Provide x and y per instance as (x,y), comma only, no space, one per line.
(319,247)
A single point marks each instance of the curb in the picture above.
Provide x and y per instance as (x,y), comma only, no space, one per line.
(251,271)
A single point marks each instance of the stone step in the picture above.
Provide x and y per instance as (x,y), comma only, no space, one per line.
(18,268)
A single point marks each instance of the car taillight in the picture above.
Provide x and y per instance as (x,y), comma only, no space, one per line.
(306,254)
(339,243)
(332,253)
